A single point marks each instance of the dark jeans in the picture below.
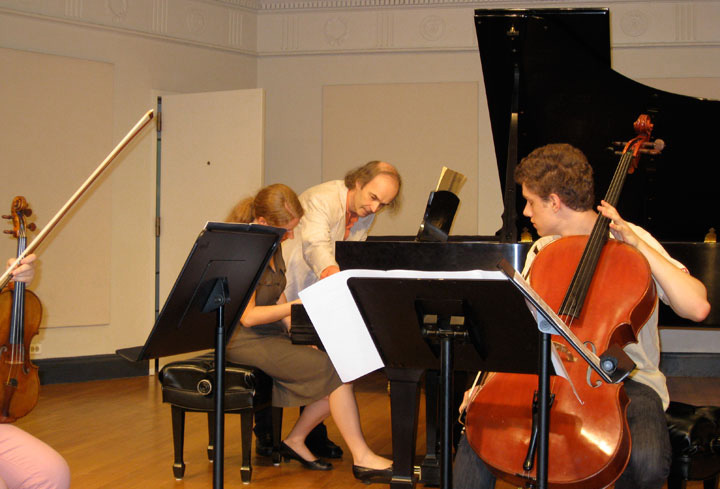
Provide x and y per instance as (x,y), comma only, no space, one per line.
(651,455)
(650,458)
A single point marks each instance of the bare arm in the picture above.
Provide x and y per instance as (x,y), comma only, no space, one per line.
(254,314)
(686,294)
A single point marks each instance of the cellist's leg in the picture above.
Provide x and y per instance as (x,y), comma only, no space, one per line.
(469,472)
(651,454)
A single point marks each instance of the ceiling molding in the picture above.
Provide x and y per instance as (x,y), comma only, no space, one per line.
(308,27)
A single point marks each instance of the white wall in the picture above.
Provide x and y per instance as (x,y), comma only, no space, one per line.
(142,65)
(294,137)
(671,45)
(292,50)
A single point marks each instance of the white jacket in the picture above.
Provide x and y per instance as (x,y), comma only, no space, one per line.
(312,249)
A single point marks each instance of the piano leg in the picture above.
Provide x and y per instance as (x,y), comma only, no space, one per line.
(404,407)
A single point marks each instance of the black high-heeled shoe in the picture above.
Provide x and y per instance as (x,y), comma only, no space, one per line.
(369,476)
(288,453)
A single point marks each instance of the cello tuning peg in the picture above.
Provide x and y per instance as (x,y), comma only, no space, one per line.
(7,231)
(32,226)
(5,216)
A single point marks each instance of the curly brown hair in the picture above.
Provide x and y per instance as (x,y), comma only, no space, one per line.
(558,169)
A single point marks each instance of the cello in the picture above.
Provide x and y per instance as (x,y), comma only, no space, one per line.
(604,292)
(20,315)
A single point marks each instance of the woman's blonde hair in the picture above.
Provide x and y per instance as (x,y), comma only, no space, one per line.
(277,204)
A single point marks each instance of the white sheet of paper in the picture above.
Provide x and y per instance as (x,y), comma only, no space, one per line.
(340,326)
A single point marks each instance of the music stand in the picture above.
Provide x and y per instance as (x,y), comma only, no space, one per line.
(396,311)
(503,338)
(438,217)
(220,274)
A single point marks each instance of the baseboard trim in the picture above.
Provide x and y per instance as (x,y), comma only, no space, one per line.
(86,368)
(679,364)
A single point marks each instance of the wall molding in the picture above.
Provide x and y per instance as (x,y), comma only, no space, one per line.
(312,27)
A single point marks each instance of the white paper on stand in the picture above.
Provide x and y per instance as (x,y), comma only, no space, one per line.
(340,326)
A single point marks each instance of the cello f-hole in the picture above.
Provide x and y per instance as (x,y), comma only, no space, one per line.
(597,383)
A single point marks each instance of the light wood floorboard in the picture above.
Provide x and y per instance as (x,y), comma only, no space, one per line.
(117,434)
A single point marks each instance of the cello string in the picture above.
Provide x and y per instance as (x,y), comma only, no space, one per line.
(599,235)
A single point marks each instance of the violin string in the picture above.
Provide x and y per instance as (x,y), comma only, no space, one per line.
(17,318)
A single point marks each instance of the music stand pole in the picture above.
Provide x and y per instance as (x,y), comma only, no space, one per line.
(217,299)
(446,447)
(543,411)
(447,335)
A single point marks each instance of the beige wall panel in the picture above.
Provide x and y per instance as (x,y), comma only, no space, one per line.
(212,156)
(419,127)
(55,129)
(142,66)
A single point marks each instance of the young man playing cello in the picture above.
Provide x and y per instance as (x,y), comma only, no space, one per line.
(557,183)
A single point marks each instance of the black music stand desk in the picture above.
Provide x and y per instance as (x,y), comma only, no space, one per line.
(502,336)
(219,275)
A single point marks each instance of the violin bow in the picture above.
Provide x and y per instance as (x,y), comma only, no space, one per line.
(7,275)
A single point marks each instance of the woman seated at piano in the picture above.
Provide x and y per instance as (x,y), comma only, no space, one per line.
(302,375)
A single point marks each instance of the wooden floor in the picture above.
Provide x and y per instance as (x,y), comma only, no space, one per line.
(117,434)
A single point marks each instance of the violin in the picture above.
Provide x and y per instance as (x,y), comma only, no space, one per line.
(604,292)
(20,315)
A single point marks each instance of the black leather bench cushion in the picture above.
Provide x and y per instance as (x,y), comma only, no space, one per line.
(190,384)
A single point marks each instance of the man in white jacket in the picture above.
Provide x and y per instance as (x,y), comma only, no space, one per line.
(338,210)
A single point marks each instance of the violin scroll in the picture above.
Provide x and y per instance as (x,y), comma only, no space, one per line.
(19,211)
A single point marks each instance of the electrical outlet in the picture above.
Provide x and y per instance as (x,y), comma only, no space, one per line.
(35,349)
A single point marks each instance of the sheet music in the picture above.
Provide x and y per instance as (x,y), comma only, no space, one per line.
(338,323)
(450,180)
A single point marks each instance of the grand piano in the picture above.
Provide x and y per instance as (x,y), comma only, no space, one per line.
(548,78)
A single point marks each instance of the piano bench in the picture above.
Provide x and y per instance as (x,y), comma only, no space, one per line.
(695,440)
(187,385)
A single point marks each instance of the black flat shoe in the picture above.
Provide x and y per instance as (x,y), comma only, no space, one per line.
(288,453)
(370,476)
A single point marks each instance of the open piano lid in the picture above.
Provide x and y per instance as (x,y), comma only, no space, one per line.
(567,92)
(559,62)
